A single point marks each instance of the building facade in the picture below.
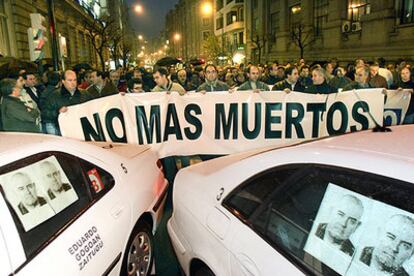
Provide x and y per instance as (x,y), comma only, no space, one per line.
(230,26)
(188,26)
(343,29)
(70,16)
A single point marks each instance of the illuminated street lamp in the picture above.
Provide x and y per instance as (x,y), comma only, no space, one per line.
(177,36)
(138,9)
(207,8)
(140,37)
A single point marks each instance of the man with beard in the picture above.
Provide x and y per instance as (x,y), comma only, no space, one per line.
(345,219)
(394,247)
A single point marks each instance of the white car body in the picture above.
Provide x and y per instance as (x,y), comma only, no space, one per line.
(203,232)
(103,226)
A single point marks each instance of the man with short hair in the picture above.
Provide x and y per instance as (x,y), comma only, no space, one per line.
(164,84)
(320,85)
(340,80)
(135,86)
(305,79)
(183,80)
(100,86)
(26,189)
(345,219)
(253,82)
(68,95)
(212,83)
(53,180)
(393,248)
(30,83)
(291,82)
(376,80)
(15,114)
(361,79)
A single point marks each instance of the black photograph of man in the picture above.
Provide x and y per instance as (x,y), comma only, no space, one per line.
(338,218)
(59,191)
(26,197)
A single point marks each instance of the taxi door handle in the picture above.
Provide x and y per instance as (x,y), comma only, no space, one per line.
(117,212)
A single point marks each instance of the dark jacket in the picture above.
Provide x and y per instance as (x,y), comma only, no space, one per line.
(187,85)
(248,86)
(216,86)
(404,85)
(323,88)
(378,82)
(18,117)
(339,82)
(61,98)
(305,81)
(271,80)
(108,90)
(355,85)
(282,85)
(46,94)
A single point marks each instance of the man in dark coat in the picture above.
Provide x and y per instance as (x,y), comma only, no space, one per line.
(291,82)
(320,85)
(101,86)
(15,115)
(68,95)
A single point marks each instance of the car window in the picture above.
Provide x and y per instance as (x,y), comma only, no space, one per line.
(99,180)
(332,221)
(44,193)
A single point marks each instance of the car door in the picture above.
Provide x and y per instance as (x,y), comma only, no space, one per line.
(64,221)
(324,221)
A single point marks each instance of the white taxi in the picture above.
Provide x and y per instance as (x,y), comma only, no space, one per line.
(337,206)
(75,208)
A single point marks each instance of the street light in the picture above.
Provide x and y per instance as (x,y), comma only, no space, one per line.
(177,36)
(140,37)
(138,9)
(207,8)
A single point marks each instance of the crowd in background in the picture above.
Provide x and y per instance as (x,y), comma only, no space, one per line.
(32,102)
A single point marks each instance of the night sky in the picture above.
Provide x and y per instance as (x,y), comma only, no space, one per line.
(152,21)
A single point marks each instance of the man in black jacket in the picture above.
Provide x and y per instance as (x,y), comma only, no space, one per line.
(291,82)
(68,95)
(320,85)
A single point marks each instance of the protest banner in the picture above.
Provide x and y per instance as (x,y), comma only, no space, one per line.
(221,122)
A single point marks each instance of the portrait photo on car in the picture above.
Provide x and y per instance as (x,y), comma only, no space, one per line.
(38,191)
(356,235)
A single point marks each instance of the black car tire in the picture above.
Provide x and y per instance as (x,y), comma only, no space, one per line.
(139,253)
(204,271)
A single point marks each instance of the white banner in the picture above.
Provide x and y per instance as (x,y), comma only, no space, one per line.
(396,106)
(220,122)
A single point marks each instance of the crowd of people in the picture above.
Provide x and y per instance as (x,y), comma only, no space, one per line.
(32,102)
